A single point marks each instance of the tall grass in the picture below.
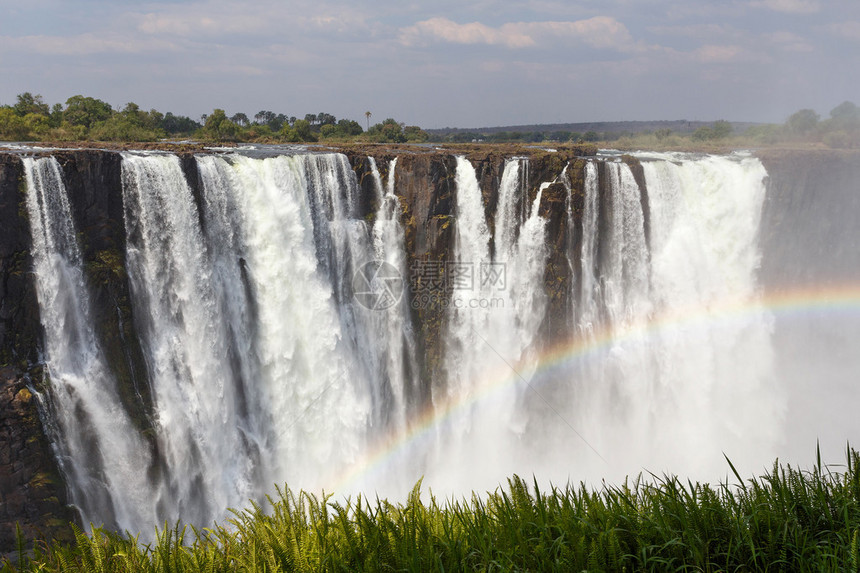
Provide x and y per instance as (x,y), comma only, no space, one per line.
(785,520)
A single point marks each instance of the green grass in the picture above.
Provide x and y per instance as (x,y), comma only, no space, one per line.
(785,520)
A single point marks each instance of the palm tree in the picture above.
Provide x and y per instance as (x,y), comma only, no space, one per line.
(367,114)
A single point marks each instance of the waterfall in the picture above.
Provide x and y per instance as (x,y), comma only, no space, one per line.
(99,450)
(280,346)
(589,287)
(392,325)
(186,343)
(673,377)
(497,306)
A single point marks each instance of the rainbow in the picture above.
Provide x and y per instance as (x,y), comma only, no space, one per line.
(841,299)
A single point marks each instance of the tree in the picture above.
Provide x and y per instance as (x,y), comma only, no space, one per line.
(415,134)
(264,117)
(802,122)
(721,129)
(240,119)
(175,124)
(349,127)
(389,131)
(326,119)
(129,124)
(29,103)
(845,117)
(367,115)
(218,127)
(86,111)
(703,134)
(279,121)
(846,111)
(299,132)
(12,126)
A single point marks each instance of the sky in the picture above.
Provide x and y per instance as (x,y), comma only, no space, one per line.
(441,63)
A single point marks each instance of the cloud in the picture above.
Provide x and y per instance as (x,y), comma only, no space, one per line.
(849,30)
(188,24)
(789,42)
(789,6)
(728,54)
(475,33)
(598,32)
(218,19)
(82,45)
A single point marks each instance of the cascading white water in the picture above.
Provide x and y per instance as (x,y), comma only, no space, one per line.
(264,367)
(673,376)
(497,305)
(98,447)
(588,309)
(705,217)
(392,323)
(185,341)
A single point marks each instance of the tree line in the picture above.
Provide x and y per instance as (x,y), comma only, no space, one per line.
(840,130)
(84,118)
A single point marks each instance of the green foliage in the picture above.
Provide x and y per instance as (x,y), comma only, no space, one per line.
(27,103)
(12,126)
(299,132)
(785,520)
(718,130)
(722,129)
(240,119)
(802,122)
(86,111)
(130,124)
(662,134)
(846,112)
(179,124)
(219,128)
(88,118)
(343,129)
(271,119)
(415,134)
(389,131)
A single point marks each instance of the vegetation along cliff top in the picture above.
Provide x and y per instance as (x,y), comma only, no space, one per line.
(89,122)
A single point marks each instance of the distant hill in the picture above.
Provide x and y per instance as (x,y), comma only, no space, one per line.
(608,127)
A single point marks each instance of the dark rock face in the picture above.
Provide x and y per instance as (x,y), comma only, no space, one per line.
(19,324)
(32,493)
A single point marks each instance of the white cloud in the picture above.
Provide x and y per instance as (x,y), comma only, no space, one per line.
(83,45)
(789,42)
(474,33)
(598,32)
(790,6)
(718,54)
(849,30)
(215,18)
(728,54)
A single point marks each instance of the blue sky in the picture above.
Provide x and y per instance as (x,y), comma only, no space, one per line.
(442,63)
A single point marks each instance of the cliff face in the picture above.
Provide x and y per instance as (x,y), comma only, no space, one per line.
(809,230)
(31,488)
(32,493)
(19,332)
